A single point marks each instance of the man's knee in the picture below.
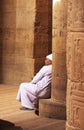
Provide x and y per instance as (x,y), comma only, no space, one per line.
(22,85)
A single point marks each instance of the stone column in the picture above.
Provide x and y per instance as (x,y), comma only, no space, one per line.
(24,45)
(0,42)
(56,106)
(33,36)
(26,30)
(8,28)
(75,65)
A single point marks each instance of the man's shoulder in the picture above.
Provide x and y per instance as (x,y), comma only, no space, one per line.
(46,67)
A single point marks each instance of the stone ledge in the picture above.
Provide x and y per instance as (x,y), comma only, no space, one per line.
(48,108)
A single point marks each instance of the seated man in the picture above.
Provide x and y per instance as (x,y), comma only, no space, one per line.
(39,87)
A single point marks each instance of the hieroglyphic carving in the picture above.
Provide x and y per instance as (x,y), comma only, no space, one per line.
(76,15)
(77,57)
(75,94)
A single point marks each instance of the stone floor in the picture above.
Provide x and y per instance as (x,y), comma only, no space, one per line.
(12,118)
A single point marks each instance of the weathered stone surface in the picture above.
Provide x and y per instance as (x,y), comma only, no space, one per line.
(43,28)
(59,79)
(25,38)
(52,109)
(75,66)
(27,30)
(59,50)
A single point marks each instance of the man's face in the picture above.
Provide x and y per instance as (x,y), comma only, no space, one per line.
(48,62)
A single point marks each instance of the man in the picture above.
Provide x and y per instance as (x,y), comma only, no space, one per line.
(39,87)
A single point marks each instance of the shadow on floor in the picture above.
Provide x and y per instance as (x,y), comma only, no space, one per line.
(6,125)
(37,112)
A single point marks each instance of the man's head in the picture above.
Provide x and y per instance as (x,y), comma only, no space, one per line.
(48,60)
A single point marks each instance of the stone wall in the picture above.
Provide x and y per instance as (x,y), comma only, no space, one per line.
(42,31)
(26,38)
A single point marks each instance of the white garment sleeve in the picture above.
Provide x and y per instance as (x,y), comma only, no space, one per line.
(39,75)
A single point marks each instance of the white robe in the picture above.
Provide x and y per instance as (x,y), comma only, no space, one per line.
(39,87)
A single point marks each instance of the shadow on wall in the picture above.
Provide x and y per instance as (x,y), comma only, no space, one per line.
(6,125)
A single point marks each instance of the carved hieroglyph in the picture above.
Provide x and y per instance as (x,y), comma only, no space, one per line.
(75,65)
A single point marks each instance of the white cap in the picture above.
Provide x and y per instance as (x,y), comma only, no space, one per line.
(49,57)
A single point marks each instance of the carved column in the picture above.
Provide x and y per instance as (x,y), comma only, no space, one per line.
(55,107)
(75,65)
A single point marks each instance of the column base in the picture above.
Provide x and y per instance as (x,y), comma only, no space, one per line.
(69,127)
(48,108)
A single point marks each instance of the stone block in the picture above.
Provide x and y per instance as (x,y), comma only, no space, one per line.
(59,44)
(24,35)
(75,57)
(49,108)
(25,19)
(9,5)
(8,74)
(7,17)
(28,5)
(60,58)
(25,69)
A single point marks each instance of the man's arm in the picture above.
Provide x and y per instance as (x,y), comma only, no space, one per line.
(38,76)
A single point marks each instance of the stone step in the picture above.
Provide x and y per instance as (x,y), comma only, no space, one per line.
(48,108)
